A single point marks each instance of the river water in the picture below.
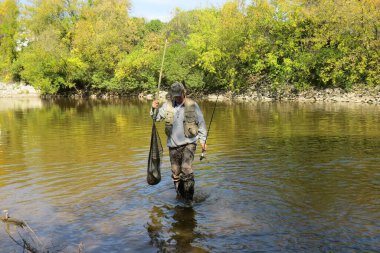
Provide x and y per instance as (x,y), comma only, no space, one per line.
(279,177)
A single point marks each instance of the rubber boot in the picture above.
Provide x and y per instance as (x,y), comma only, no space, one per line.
(186,187)
(177,182)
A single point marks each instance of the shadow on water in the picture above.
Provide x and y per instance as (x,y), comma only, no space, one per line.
(174,229)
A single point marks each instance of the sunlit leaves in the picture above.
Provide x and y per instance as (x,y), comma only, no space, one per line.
(96,45)
(8,27)
(217,37)
(101,36)
(44,63)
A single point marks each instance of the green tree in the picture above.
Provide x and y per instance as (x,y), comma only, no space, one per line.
(44,63)
(154,26)
(346,41)
(9,12)
(216,38)
(139,69)
(103,36)
(276,50)
(95,45)
(180,66)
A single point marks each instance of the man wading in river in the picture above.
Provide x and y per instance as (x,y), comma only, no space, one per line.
(184,125)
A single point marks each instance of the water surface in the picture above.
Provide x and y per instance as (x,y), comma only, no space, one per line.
(279,177)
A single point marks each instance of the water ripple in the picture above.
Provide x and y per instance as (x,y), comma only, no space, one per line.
(276,178)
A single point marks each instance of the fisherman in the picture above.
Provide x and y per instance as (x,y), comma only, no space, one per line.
(184,126)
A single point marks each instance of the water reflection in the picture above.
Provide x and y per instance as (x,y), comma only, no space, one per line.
(279,177)
(10,104)
(174,229)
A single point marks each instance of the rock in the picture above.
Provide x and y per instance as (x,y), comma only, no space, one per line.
(17,90)
(213,97)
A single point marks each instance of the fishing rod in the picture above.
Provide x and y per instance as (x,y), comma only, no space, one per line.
(208,129)
(155,152)
(162,66)
(160,76)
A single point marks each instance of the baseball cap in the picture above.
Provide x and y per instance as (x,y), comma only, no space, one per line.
(177,89)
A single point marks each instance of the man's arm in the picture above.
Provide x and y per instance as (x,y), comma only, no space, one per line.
(161,110)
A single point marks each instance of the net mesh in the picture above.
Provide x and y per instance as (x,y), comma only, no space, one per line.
(155,158)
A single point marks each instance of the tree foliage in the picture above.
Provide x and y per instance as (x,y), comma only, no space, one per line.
(9,12)
(102,36)
(95,45)
(47,25)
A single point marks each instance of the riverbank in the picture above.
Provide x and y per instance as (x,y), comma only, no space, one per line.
(359,94)
(19,90)
(356,95)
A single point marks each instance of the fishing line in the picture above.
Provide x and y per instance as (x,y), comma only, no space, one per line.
(208,129)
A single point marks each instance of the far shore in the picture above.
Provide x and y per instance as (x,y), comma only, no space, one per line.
(17,90)
(356,95)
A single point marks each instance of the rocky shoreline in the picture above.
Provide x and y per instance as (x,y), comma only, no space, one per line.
(358,95)
(355,95)
(17,90)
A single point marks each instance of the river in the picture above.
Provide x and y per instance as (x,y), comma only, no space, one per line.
(278,177)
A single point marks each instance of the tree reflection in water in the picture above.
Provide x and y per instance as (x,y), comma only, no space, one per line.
(173,229)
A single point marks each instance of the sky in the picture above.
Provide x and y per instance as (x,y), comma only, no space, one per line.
(164,9)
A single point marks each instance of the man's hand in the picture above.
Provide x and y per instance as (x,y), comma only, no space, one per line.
(204,147)
(155,104)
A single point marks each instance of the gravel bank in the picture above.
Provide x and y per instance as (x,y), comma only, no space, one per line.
(17,90)
(358,95)
(355,95)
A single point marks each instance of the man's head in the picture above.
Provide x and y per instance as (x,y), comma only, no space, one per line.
(177,89)
(178,92)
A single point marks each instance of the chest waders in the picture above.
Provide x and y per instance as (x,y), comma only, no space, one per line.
(183,180)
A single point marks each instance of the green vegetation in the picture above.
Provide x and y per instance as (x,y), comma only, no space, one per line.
(94,45)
